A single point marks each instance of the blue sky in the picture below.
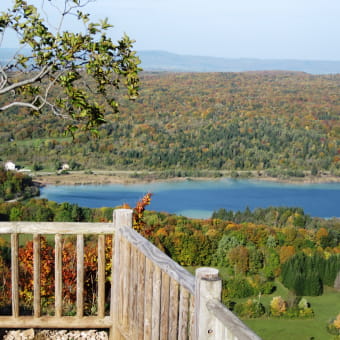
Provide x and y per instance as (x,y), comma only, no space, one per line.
(278,29)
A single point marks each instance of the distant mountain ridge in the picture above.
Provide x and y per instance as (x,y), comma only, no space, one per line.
(171,62)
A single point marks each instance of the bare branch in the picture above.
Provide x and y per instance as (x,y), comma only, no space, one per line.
(3,78)
(46,15)
(34,107)
(21,104)
(44,71)
(77,6)
(54,109)
(67,10)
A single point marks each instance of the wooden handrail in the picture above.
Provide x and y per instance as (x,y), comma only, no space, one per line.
(173,269)
(63,228)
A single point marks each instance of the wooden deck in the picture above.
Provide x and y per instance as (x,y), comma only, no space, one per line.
(152,297)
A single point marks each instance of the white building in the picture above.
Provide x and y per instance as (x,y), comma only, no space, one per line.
(10,166)
(65,167)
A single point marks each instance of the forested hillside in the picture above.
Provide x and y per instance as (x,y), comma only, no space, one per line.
(15,185)
(184,121)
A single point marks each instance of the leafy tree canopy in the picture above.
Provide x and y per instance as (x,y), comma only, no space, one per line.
(69,74)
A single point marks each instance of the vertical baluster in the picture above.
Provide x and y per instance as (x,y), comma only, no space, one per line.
(15,274)
(140,294)
(80,275)
(101,276)
(115,286)
(148,299)
(184,312)
(173,310)
(165,302)
(58,277)
(36,275)
(132,299)
(192,317)
(156,303)
(125,279)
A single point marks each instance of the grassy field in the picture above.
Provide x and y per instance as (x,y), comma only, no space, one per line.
(325,307)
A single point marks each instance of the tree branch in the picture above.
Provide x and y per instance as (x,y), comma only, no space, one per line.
(3,77)
(53,77)
(21,104)
(34,107)
(44,71)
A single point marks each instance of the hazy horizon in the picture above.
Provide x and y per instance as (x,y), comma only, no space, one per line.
(290,29)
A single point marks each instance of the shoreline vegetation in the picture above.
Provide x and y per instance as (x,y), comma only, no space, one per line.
(136,177)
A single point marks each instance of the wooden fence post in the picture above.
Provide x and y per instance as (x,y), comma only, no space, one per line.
(122,218)
(208,286)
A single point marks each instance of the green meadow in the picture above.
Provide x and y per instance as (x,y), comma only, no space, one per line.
(325,307)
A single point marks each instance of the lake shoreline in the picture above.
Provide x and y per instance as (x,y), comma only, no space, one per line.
(195,197)
(129,177)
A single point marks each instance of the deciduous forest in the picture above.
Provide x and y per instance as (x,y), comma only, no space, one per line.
(280,122)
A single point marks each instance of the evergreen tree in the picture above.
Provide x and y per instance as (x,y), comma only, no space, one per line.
(298,284)
(313,285)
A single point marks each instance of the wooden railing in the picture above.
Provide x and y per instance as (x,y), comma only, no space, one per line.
(152,297)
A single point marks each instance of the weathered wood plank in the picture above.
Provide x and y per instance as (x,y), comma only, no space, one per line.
(80,275)
(140,295)
(173,269)
(183,317)
(124,334)
(120,282)
(173,310)
(36,275)
(58,276)
(132,295)
(148,299)
(55,322)
(234,325)
(156,302)
(121,217)
(165,302)
(101,276)
(125,292)
(192,317)
(69,228)
(15,274)
(115,287)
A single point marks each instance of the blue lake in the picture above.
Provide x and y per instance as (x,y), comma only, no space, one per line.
(200,198)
